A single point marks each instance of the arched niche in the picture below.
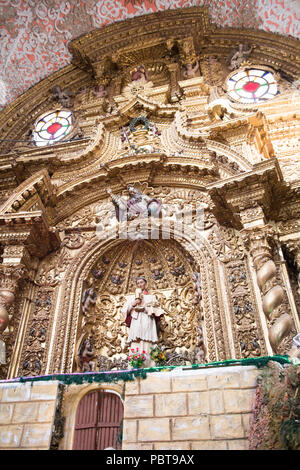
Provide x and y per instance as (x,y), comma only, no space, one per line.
(178,299)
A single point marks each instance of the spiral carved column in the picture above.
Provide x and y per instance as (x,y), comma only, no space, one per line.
(257,240)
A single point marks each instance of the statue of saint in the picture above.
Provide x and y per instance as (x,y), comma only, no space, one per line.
(142,314)
(137,204)
(140,73)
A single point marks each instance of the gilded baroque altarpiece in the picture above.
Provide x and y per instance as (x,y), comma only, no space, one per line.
(151,110)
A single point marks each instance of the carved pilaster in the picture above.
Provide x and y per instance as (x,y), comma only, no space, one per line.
(9,278)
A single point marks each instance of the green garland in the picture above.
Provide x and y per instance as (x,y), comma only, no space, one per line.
(116,376)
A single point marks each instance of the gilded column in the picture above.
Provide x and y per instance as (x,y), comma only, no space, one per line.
(258,239)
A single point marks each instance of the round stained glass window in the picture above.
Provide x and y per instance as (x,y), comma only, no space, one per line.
(52,127)
(251,86)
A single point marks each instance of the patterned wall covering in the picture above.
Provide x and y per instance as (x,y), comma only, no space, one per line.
(34,35)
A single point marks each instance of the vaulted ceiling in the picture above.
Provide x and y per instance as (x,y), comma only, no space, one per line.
(34,36)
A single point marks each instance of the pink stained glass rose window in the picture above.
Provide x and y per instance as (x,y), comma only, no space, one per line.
(252,86)
(52,127)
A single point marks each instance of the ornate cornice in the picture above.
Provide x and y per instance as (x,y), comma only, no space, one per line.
(246,191)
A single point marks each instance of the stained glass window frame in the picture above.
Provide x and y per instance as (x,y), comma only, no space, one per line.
(260,75)
(42,137)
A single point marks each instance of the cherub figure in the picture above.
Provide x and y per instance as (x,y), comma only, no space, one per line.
(239,57)
(178,271)
(100,92)
(190,71)
(157,275)
(64,97)
(98,273)
(88,298)
(84,359)
(116,279)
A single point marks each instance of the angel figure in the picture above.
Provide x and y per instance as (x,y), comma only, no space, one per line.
(88,299)
(84,358)
(190,71)
(100,92)
(64,97)
(239,57)
(137,205)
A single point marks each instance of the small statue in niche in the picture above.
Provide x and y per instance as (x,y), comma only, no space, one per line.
(125,134)
(190,70)
(88,298)
(140,73)
(64,97)
(137,205)
(84,358)
(100,92)
(239,57)
(153,129)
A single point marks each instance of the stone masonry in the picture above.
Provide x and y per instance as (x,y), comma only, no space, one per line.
(26,414)
(205,409)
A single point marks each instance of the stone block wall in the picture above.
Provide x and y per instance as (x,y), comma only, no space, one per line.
(27,414)
(204,409)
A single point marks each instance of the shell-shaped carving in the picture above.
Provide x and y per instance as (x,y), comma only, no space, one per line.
(280,330)
(266,273)
(272,300)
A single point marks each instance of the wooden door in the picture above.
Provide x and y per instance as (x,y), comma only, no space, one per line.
(98,419)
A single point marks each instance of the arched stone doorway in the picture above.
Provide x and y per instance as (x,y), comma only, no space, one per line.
(98,421)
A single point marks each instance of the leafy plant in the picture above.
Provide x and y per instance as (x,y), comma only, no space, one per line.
(158,356)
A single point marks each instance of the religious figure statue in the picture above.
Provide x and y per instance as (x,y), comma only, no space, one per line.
(140,73)
(100,92)
(190,71)
(142,314)
(137,205)
(64,97)
(239,57)
(154,130)
(88,299)
(84,358)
